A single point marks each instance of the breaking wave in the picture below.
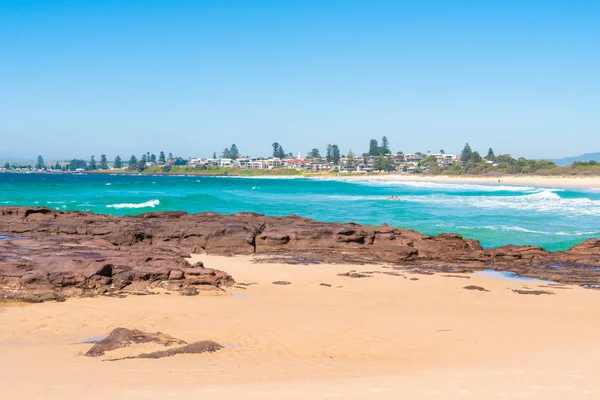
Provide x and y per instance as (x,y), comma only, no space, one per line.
(514,228)
(447,186)
(545,201)
(150,203)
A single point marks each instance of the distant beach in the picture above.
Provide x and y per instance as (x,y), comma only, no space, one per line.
(533,180)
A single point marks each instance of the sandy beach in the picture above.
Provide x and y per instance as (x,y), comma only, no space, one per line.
(530,180)
(384,336)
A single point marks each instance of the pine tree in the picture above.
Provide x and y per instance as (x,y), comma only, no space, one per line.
(385,146)
(7,166)
(40,163)
(226,153)
(133,162)
(278,150)
(234,152)
(144,158)
(214,155)
(153,158)
(57,166)
(490,155)
(329,154)
(171,156)
(373,148)
(118,164)
(465,155)
(92,164)
(335,154)
(350,159)
(161,157)
(103,162)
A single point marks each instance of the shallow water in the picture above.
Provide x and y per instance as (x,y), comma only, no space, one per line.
(490,273)
(494,214)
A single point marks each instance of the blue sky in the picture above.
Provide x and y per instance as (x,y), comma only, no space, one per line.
(191,77)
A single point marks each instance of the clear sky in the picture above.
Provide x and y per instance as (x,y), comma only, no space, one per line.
(81,77)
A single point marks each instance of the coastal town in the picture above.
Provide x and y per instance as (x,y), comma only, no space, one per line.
(378,159)
(409,163)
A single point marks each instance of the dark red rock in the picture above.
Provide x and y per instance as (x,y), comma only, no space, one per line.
(64,254)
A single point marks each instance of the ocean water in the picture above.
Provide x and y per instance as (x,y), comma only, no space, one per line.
(496,215)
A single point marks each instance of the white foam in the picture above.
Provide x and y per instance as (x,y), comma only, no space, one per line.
(150,203)
(514,228)
(449,186)
(546,201)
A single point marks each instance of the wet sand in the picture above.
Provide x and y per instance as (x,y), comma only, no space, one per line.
(384,337)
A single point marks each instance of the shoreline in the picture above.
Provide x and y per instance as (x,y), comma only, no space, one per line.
(510,180)
(413,336)
(584,182)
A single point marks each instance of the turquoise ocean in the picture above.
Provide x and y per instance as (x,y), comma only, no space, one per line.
(494,214)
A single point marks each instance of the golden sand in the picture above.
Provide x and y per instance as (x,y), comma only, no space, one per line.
(384,337)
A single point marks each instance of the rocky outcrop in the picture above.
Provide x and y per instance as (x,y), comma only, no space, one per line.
(123,337)
(39,264)
(46,254)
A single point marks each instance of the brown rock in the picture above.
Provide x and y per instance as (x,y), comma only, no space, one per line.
(473,287)
(189,291)
(176,274)
(205,346)
(354,275)
(62,254)
(123,337)
(533,292)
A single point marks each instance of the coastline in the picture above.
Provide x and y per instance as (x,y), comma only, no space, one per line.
(389,337)
(565,181)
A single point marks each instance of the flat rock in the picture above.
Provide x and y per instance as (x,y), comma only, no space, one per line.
(123,337)
(473,287)
(354,275)
(52,255)
(205,346)
(533,292)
